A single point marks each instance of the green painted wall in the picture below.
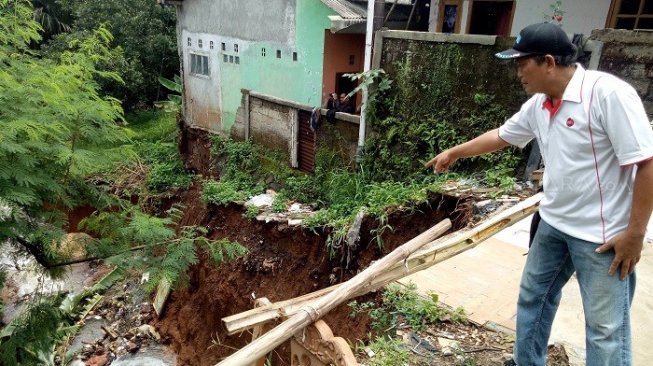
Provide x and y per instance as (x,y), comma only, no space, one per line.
(299,81)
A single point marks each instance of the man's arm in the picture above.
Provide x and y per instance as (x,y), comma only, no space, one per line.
(483,144)
(628,244)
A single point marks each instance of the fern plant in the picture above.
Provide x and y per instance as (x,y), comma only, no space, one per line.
(50,112)
(167,254)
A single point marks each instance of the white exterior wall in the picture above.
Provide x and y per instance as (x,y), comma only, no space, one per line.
(581,16)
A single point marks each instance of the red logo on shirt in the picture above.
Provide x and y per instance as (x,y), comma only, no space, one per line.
(570,122)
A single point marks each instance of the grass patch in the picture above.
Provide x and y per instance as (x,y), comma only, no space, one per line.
(403,304)
(336,191)
(149,164)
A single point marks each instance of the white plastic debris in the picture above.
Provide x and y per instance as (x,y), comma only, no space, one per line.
(262,200)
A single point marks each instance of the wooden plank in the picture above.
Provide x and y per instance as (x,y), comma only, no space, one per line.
(432,253)
(162,293)
(324,304)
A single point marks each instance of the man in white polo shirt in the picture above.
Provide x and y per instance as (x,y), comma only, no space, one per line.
(597,146)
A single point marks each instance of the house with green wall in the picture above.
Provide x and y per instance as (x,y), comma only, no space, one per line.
(295,50)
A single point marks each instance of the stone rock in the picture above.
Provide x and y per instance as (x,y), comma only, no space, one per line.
(132,347)
(146,331)
(98,360)
(448,346)
(295,222)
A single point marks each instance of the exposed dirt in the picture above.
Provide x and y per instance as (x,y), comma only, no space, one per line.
(283,262)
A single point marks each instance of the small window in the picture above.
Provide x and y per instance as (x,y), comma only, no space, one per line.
(199,43)
(224,46)
(278,53)
(235,47)
(352,59)
(237,60)
(294,56)
(263,51)
(211,44)
(189,42)
(225,58)
(231,59)
(199,64)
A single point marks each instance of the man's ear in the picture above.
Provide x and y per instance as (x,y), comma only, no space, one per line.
(550,61)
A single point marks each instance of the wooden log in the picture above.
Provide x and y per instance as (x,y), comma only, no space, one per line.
(321,306)
(432,253)
(260,329)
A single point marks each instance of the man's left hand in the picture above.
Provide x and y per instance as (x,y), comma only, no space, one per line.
(628,251)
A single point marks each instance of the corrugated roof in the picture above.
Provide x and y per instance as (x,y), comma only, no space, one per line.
(352,12)
(345,9)
(356,9)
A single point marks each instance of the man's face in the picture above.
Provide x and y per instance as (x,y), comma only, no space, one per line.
(531,74)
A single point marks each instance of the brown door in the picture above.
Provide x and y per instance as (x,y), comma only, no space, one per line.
(306,145)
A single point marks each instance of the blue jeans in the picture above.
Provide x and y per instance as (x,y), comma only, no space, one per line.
(552,259)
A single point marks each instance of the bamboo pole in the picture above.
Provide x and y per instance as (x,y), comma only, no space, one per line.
(432,253)
(310,313)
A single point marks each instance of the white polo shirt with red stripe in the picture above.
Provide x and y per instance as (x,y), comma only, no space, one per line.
(590,144)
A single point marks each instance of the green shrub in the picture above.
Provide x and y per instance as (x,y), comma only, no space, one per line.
(251,212)
(222,192)
(405,302)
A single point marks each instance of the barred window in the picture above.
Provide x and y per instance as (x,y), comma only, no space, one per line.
(199,64)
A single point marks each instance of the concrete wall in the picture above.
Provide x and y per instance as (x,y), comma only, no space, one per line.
(629,55)
(272,123)
(252,32)
(274,19)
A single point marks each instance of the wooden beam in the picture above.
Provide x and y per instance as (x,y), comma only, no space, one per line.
(311,313)
(432,253)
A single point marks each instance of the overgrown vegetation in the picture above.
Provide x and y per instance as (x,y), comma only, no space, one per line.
(421,112)
(164,251)
(429,109)
(61,141)
(336,191)
(402,304)
(153,168)
(401,307)
(144,45)
(388,351)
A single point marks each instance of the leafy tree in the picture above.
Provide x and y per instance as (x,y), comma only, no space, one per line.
(49,15)
(50,112)
(144,31)
(56,127)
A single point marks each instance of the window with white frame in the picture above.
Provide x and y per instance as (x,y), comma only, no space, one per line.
(199,64)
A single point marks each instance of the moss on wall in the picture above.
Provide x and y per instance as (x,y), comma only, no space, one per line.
(629,55)
(442,94)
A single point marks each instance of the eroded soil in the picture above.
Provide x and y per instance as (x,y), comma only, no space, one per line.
(283,262)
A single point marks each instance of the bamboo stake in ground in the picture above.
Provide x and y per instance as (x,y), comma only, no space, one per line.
(311,313)
(432,253)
